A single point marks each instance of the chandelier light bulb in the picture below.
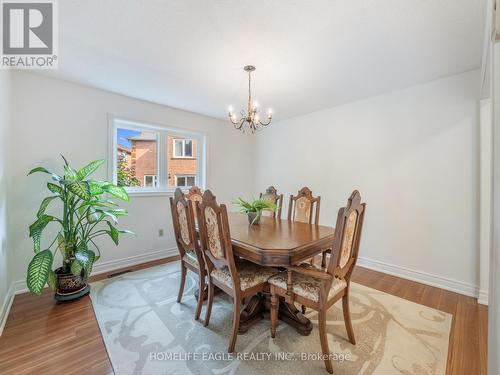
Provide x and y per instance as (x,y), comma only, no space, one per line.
(230,109)
(269,113)
(255,104)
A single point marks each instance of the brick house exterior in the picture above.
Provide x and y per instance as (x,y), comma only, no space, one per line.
(143,156)
(143,160)
(180,166)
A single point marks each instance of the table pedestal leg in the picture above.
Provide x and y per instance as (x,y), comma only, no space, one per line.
(292,316)
(258,308)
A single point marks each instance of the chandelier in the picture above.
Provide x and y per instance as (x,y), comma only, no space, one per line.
(251,114)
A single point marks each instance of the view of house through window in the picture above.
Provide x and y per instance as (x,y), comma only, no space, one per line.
(138,163)
(137,158)
(182,161)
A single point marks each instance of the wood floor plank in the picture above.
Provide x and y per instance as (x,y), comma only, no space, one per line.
(42,337)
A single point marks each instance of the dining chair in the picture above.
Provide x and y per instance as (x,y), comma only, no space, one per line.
(187,244)
(318,288)
(272,195)
(236,277)
(194,195)
(303,207)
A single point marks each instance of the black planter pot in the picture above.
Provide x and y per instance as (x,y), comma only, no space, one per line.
(70,287)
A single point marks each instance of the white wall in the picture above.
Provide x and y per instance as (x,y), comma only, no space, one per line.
(53,116)
(413,154)
(4,152)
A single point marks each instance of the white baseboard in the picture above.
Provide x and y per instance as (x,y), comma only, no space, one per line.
(420,277)
(483,297)
(19,286)
(4,311)
(102,267)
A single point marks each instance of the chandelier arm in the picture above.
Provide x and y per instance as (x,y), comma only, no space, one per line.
(265,123)
(239,124)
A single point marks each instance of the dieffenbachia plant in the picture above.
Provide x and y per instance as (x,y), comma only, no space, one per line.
(87,213)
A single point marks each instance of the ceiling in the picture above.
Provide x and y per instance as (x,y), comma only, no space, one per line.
(309,54)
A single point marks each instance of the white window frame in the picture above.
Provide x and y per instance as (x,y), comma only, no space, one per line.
(155,179)
(183,140)
(162,132)
(185,176)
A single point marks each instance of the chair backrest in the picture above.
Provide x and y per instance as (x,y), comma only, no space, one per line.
(184,227)
(194,195)
(215,237)
(272,195)
(303,205)
(347,237)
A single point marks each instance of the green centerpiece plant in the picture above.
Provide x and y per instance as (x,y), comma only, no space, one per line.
(86,213)
(254,208)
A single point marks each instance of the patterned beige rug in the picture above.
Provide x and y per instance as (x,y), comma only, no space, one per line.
(147,332)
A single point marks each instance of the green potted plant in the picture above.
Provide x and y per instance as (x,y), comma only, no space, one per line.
(86,214)
(254,208)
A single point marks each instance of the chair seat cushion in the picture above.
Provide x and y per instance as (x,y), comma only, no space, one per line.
(307,286)
(191,258)
(250,274)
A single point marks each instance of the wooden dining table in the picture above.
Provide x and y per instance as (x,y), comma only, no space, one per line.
(276,243)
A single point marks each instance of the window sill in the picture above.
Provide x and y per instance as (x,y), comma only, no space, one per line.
(150,193)
(155,193)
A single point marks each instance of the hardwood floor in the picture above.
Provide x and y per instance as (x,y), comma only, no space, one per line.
(42,337)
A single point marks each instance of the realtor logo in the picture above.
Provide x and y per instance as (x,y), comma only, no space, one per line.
(29,34)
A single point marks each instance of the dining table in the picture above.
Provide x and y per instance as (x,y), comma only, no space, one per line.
(276,243)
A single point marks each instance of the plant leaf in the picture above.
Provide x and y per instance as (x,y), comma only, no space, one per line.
(37,228)
(107,214)
(55,188)
(113,233)
(43,205)
(125,231)
(89,169)
(52,280)
(80,189)
(76,268)
(117,191)
(85,258)
(118,211)
(97,187)
(38,271)
(39,169)
(61,245)
(69,173)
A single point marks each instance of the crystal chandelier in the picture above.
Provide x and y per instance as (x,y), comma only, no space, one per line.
(251,114)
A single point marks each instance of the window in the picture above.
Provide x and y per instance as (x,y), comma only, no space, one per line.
(150,180)
(152,159)
(185,181)
(183,148)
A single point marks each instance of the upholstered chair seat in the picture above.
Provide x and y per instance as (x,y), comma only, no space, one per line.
(250,274)
(307,286)
(191,258)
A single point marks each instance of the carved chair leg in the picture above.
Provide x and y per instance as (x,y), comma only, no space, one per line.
(347,319)
(236,325)
(201,292)
(210,301)
(183,281)
(275,303)
(324,340)
(303,308)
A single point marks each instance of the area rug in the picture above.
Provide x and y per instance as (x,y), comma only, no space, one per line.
(147,332)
